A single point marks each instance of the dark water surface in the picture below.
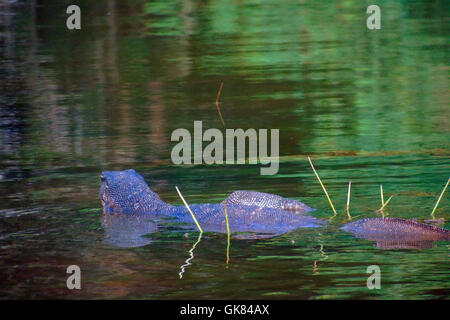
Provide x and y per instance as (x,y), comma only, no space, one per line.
(369,106)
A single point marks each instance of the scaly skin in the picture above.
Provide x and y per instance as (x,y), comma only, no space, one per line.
(264,214)
(397,233)
(396,229)
(267,200)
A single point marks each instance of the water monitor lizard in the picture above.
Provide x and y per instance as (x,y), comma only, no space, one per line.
(262,214)
(265,214)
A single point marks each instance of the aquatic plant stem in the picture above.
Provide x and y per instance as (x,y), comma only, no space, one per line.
(381,194)
(440,197)
(347,207)
(385,204)
(323,187)
(228,233)
(189,209)
(217,104)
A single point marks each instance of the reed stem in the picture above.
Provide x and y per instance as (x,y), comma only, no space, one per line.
(217,103)
(385,204)
(228,233)
(189,209)
(440,197)
(347,207)
(323,187)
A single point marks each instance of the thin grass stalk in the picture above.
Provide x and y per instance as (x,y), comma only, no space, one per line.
(189,209)
(347,207)
(385,204)
(228,233)
(381,194)
(440,197)
(217,103)
(323,187)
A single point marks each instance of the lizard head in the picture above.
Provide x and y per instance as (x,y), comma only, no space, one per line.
(125,192)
